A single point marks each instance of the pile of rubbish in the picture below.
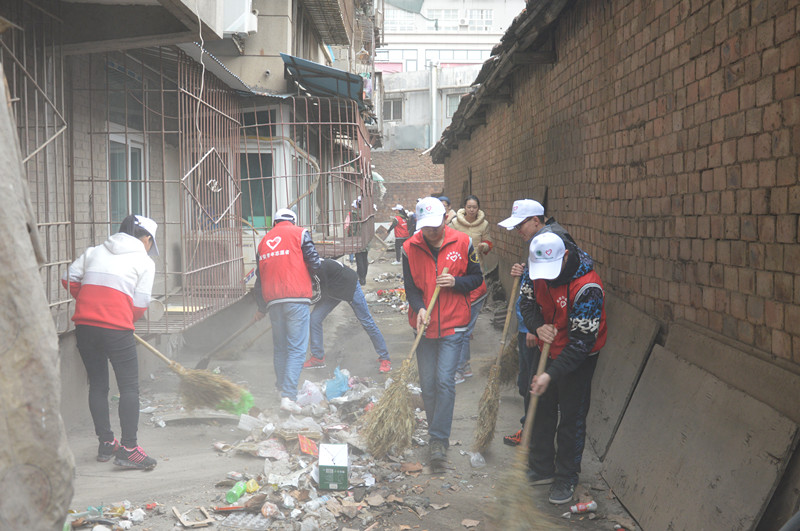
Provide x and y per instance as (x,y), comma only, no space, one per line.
(389,277)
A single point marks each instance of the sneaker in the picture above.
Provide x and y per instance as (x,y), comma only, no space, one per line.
(133,458)
(513,440)
(385,366)
(362,281)
(314,363)
(538,479)
(459,378)
(396,263)
(438,453)
(287,404)
(467,371)
(105,451)
(561,492)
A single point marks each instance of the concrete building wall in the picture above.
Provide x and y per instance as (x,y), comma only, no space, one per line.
(668,136)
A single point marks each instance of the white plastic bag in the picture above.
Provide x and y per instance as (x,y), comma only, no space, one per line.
(310,393)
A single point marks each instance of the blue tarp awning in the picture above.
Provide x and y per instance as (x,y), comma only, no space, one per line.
(322,80)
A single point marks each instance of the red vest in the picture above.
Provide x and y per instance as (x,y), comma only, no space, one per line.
(281,265)
(401,229)
(452,308)
(553,301)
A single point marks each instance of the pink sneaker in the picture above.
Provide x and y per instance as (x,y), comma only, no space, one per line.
(385,366)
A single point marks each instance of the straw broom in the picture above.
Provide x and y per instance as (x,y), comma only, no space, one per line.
(509,361)
(390,424)
(514,510)
(490,401)
(205,389)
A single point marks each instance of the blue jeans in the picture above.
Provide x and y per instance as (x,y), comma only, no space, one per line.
(437,360)
(475,310)
(360,308)
(290,342)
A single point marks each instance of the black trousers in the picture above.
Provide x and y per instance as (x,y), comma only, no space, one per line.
(557,444)
(97,347)
(362,263)
(398,248)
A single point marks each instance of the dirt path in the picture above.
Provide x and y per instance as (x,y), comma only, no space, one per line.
(189,467)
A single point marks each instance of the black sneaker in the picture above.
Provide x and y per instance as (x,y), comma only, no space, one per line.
(105,450)
(561,492)
(134,458)
(538,479)
(438,454)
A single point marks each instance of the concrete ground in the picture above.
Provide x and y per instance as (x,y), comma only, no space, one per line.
(189,467)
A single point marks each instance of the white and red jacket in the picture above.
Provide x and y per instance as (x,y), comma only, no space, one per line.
(281,265)
(111,283)
(401,228)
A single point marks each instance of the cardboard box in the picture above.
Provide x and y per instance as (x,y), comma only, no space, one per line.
(334,467)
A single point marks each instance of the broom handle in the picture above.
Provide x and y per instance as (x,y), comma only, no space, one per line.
(427,318)
(172,365)
(528,427)
(511,303)
(231,337)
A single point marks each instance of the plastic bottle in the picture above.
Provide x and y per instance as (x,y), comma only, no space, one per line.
(236,492)
(584,507)
(251,486)
(316,503)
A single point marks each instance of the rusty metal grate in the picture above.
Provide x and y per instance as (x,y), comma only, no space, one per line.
(33,66)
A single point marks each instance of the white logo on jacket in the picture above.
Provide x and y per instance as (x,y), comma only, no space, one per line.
(453,256)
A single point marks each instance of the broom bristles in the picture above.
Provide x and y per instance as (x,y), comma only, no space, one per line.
(488,407)
(514,509)
(509,362)
(205,389)
(390,424)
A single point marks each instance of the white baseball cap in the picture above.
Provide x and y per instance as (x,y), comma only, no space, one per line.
(546,254)
(284,214)
(151,227)
(398,206)
(430,212)
(522,210)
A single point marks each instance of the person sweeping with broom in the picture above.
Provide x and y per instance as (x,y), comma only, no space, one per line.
(112,284)
(562,302)
(433,248)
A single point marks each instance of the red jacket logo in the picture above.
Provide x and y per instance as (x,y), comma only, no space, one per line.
(562,301)
(274,242)
(453,256)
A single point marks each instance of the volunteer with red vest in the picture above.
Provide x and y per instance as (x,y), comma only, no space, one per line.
(286,260)
(425,255)
(112,284)
(562,302)
(401,234)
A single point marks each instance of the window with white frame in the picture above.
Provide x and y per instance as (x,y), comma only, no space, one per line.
(127,178)
(398,20)
(479,19)
(407,58)
(392,110)
(457,56)
(452,103)
(442,19)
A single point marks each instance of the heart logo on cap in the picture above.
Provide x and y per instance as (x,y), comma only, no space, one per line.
(428,208)
(548,252)
(274,242)
(515,208)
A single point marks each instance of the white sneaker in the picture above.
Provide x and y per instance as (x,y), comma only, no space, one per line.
(396,263)
(287,404)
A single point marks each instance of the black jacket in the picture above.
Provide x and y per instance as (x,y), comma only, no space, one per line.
(337,281)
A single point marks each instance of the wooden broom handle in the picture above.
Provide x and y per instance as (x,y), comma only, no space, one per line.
(528,427)
(152,349)
(427,318)
(511,302)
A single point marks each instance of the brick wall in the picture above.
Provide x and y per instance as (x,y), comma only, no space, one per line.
(408,176)
(667,135)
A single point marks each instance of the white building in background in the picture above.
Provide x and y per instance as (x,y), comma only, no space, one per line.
(432,52)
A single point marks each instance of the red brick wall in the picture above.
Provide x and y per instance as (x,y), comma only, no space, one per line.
(408,176)
(668,135)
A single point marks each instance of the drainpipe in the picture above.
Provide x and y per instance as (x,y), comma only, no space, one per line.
(434,100)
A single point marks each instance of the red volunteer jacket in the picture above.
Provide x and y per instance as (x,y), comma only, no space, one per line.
(401,229)
(452,309)
(280,263)
(558,305)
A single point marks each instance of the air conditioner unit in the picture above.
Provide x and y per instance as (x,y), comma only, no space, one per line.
(463,22)
(239,17)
